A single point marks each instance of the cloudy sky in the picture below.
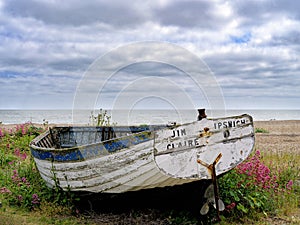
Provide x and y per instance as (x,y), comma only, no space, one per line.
(252,49)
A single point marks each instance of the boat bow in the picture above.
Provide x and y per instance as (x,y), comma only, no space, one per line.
(177,150)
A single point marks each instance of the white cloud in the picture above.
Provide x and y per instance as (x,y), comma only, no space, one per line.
(252,47)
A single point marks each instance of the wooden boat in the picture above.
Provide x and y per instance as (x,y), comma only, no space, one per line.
(119,159)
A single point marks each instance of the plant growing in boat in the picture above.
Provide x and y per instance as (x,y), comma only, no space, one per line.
(101,119)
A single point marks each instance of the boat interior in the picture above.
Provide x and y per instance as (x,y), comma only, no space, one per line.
(68,137)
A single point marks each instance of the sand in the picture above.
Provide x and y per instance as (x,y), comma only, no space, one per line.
(281,136)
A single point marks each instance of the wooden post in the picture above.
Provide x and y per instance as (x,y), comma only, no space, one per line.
(212,169)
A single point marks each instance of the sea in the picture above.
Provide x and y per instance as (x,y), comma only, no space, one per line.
(135,117)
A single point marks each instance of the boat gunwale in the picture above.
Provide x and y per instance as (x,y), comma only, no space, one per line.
(69,149)
(75,148)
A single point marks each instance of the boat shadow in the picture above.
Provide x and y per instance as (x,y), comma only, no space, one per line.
(156,203)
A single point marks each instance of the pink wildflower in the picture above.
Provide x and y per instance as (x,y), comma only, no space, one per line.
(24,130)
(23,156)
(231,206)
(258,173)
(17,152)
(20,198)
(25,181)
(257,153)
(15,177)
(289,185)
(4,190)
(35,199)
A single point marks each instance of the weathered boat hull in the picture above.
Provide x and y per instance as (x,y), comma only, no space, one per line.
(127,170)
(139,159)
(178,150)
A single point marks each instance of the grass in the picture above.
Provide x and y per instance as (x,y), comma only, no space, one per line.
(16,216)
(261,130)
(268,190)
(263,189)
(287,168)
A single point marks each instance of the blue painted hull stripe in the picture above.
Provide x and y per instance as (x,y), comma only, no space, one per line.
(89,151)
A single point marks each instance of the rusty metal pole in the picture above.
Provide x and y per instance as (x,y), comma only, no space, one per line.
(216,192)
(212,170)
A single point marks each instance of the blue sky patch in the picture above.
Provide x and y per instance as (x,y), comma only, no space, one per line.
(245,38)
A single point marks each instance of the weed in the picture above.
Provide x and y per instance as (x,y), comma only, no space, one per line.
(261,130)
(20,182)
(101,119)
(253,189)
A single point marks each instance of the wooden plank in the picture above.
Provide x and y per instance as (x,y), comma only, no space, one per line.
(145,160)
(177,149)
(122,175)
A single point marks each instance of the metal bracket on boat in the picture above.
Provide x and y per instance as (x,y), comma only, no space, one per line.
(201,114)
(212,170)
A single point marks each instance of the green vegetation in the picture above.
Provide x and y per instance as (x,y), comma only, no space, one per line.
(22,189)
(263,187)
(261,130)
(101,119)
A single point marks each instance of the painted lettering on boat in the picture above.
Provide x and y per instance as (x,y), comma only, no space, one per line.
(174,143)
(229,123)
(178,133)
(185,143)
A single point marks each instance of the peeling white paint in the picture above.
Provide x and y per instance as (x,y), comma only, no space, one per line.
(168,159)
(176,155)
